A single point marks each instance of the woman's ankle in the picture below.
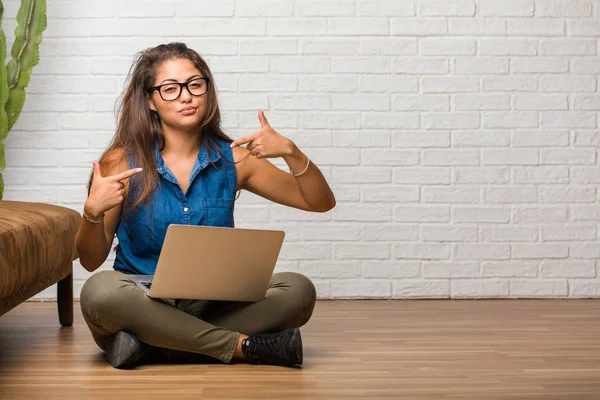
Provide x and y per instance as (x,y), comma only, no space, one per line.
(239,354)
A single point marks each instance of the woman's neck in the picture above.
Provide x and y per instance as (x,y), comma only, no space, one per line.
(181,143)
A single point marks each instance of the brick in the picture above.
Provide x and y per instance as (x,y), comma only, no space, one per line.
(263,8)
(422,102)
(388,46)
(564,232)
(390,120)
(418,26)
(421,139)
(567,156)
(360,288)
(450,84)
(362,175)
(362,139)
(297,26)
(450,157)
(481,175)
(389,232)
(539,250)
(509,157)
(481,65)
(476,214)
(362,102)
(507,47)
(370,65)
(557,8)
(363,212)
(384,8)
(507,8)
(567,47)
(394,85)
(567,195)
(568,119)
(447,8)
(509,119)
(534,65)
(535,27)
(540,102)
(447,47)
(584,250)
(422,175)
(568,84)
(586,175)
(379,157)
(485,138)
(509,194)
(391,269)
(422,251)
(539,214)
(392,194)
(509,83)
(421,213)
(421,288)
(567,269)
(584,288)
(481,251)
(354,251)
(330,269)
(432,194)
(450,270)
(485,288)
(477,26)
(509,233)
(536,175)
(320,83)
(586,65)
(539,138)
(509,269)
(325,8)
(586,102)
(447,233)
(421,66)
(533,288)
(364,26)
(451,120)
(585,213)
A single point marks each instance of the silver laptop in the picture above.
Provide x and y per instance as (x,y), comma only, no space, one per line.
(213,263)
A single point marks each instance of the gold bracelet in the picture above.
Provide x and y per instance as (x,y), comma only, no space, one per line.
(305,168)
(93,221)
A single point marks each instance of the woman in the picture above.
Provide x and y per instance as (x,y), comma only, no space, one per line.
(170,162)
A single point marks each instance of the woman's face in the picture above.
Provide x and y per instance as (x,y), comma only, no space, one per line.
(186,111)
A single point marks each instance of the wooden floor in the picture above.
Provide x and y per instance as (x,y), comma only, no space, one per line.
(371,349)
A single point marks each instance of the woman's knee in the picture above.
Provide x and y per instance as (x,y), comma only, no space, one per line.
(303,294)
(104,290)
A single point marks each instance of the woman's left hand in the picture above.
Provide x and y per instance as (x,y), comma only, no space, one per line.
(266,142)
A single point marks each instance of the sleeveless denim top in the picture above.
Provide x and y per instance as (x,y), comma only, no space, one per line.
(209,201)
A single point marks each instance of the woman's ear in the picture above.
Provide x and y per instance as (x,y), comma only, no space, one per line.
(151,103)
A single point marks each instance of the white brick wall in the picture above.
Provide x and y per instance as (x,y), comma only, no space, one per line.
(459,136)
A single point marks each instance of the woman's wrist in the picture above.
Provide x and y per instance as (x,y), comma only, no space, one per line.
(92,212)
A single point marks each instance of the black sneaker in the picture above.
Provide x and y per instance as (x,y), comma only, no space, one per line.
(125,351)
(282,348)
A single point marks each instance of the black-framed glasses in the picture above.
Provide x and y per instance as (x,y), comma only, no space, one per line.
(172,90)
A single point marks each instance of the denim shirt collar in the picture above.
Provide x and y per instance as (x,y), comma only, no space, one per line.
(204,158)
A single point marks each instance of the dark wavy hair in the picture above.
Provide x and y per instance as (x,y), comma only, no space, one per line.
(138,128)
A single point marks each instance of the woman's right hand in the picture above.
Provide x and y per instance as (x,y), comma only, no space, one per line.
(106,192)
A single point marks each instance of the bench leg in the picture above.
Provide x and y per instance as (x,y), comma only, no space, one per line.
(65,300)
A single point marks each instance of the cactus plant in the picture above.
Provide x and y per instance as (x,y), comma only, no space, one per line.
(14,77)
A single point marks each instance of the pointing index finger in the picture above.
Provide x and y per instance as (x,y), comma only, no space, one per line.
(126,174)
(245,139)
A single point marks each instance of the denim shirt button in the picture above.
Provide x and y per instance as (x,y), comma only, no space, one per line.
(185,209)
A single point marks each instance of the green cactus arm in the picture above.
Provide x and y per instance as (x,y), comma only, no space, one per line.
(3,97)
(25,54)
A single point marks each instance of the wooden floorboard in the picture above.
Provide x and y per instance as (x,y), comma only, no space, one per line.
(371,349)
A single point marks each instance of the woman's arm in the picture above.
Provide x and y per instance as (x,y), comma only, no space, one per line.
(94,240)
(309,191)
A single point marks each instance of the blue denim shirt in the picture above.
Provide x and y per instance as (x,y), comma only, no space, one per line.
(209,201)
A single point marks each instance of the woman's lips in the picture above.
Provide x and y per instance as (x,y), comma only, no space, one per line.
(188,110)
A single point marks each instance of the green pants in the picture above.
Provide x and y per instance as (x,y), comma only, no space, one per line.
(110,302)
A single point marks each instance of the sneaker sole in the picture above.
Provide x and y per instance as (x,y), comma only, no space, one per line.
(121,349)
(297,340)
